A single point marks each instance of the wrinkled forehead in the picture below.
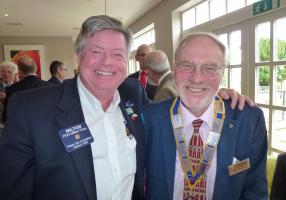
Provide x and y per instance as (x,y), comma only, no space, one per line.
(6,68)
(200,47)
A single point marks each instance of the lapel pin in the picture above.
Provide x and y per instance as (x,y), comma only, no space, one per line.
(134,116)
(230,126)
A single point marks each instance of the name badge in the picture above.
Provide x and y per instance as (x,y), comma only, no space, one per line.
(239,167)
(76,137)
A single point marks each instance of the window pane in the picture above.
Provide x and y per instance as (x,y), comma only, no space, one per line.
(251,1)
(279,96)
(262,85)
(279,130)
(280,39)
(266,116)
(224,80)
(262,39)
(235,79)
(189,19)
(235,48)
(202,12)
(233,5)
(217,8)
(223,39)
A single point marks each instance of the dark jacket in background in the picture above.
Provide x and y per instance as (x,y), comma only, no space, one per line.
(54,80)
(150,89)
(28,82)
(278,190)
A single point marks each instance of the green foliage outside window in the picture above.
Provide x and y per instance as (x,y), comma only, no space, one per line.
(264,55)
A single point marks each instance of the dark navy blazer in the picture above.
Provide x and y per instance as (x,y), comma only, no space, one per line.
(33,161)
(243,136)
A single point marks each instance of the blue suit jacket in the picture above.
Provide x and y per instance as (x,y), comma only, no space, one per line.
(33,161)
(243,136)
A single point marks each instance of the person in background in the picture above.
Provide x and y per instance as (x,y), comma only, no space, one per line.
(278,191)
(58,72)
(28,80)
(204,148)
(8,72)
(158,68)
(142,74)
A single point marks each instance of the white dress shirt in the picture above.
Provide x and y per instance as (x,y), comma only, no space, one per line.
(188,129)
(114,154)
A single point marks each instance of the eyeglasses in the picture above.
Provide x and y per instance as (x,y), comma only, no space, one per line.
(207,69)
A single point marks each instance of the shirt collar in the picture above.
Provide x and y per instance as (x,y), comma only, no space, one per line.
(162,77)
(92,102)
(188,117)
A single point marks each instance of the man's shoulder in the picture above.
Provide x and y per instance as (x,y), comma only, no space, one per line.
(129,84)
(247,113)
(134,75)
(44,93)
(158,107)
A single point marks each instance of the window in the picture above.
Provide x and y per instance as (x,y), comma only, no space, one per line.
(145,36)
(217,8)
(232,75)
(270,84)
(211,9)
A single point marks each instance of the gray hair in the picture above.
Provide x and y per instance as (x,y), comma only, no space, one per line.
(157,61)
(8,64)
(98,23)
(199,34)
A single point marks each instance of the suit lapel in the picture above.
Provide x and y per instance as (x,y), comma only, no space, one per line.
(225,153)
(82,158)
(169,149)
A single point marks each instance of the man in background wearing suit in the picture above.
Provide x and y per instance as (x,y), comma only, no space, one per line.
(142,75)
(158,68)
(278,191)
(83,139)
(58,72)
(197,146)
(28,80)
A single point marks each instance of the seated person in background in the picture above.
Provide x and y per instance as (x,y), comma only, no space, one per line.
(28,79)
(196,146)
(158,68)
(278,190)
(58,72)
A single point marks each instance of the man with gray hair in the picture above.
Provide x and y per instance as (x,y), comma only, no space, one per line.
(83,139)
(158,68)
(205,150)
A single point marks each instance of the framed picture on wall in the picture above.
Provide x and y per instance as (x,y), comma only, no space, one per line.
(14,52)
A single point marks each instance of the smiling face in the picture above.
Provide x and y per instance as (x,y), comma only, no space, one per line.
(7,75)
(194,88)
(103,62)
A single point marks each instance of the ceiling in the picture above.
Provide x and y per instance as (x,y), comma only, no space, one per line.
(63,17)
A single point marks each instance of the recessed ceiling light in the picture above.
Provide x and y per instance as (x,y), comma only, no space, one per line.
(6,15)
